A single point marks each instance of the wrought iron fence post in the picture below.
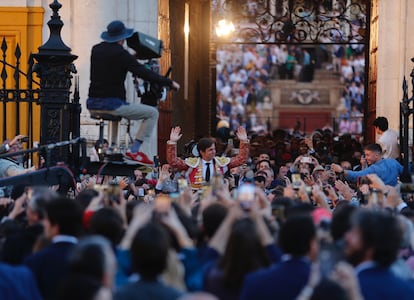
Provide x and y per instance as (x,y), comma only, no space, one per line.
(406,109)
(54,67)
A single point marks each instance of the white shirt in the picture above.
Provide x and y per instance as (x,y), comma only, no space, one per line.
(64,238)
(389,144)
(205,168)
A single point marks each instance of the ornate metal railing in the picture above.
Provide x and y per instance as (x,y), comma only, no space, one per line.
(299,21)
(16,100)
(406,110)
(59,116)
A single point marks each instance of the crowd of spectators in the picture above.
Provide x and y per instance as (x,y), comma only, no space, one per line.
(302,218)
(349,63)
(245,72)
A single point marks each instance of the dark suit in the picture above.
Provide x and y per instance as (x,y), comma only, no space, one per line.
(284,280)
(49,267)
(148,290)
(17,283)
(381,284)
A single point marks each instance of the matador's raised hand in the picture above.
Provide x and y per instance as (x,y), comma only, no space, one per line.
(241,134)
(175,134)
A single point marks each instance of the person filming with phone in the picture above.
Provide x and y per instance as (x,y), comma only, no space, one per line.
(13,165)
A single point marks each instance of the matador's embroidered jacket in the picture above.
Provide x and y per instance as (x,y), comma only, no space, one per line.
(194,165)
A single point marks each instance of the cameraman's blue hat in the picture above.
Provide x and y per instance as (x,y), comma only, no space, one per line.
(116,31)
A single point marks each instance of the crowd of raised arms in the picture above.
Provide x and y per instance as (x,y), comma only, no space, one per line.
(266,215)
(281,216)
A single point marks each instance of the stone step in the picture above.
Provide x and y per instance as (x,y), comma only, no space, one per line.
(323,74)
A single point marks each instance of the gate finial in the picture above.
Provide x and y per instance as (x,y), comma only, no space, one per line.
(55,24)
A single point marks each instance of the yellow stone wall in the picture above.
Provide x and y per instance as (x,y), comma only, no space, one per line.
(22,26)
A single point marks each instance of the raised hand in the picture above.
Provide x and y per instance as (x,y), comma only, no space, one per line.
(175,86)
(175,134)
(16,139)
(241,133)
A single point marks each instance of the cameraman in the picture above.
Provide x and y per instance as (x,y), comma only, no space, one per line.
(110,63)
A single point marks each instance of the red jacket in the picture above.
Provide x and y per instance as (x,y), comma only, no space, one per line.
(194,165)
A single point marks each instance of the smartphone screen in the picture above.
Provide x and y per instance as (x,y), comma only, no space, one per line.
(296,180)
(246,195)
(141,192)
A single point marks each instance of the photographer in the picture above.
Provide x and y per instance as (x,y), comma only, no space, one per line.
(110,63)
(12,166)
(7,144)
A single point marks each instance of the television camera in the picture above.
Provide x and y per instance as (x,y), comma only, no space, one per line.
(149,49)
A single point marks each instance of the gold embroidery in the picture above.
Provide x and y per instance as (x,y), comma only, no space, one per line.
(222,161)
(192,161)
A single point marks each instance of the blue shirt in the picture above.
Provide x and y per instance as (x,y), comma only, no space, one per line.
(387,169)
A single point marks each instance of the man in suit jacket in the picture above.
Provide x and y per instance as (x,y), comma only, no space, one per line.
(62,224)
(286,279)
(371,245)
(197,168)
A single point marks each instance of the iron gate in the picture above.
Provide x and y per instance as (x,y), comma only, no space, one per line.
(58,114)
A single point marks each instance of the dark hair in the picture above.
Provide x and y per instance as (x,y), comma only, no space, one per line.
(296,234)
(17,191)
(79,287)
(88,259)
(107,222)
(40,196)
(149,251)
(190,227)
(88,263)
(381,123)
(264,160)
(260,179)
(212,216)
(98,143)
(261,173)
(140,182)
(85,197)
(186,221)
(380,231)
(244,253)
(328,289)
(204,143)
(341,219)
(374,148)
(299,209)
(66,214)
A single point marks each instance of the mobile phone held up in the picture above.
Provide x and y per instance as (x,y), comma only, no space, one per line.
(246,196)
(306,160)
(296,181)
